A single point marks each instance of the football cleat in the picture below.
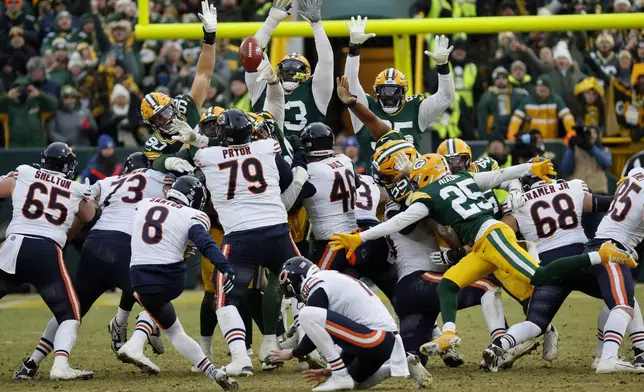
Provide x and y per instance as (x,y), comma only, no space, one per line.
(550,344)
(616,365)
(610,253)
(220,378)
(62,371)
(638,361)
(27,371)
(118,333)
(154,340)
(447,340)
(595,362)
(314,361)
(265,355)
(240,368)
(127,355)
(492,357)
(336,383)
(451,358)
(418,372)
(513,354)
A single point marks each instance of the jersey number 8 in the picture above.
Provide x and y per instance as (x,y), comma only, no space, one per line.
(152,231)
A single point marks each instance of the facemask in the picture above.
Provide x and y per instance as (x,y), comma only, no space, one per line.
(390,110)
(290,86)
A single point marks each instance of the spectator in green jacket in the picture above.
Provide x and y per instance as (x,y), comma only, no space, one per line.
(58,72)
(519,79)
(63,29)
(496,105)
(23,113)
(91,31)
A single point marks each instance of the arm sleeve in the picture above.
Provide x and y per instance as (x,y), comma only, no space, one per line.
(568,162)
(202,240)
(601,203)
(603,156)
(274,103)
(284,169)
(323,75)
(255,87)
(515,122)
(414,213)
(493,179)
(351,71)
(512,185)
(433,106)
(290,195)
(395,210)
(263,35)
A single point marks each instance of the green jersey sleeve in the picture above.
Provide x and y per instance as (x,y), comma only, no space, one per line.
(187,108)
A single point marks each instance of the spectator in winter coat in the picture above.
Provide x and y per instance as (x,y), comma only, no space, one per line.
(23,113)
(72,124)
(519,79)
(124,47)
(603,60)
(14,16)
(624,66)
(18,51)
(496,106)
(58,70)
(590,97)
(63,29)
(121,120)
(104,163)
(586,159)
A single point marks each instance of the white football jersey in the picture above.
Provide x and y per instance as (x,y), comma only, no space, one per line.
(160,231)
(44,203)
(351,298)
(120,194)
(367,199)
(551,216)
(411,252)
(244,184)
(624,222)
(331,208)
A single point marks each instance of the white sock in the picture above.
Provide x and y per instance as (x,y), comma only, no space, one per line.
(205,342)
(186,346)
(601,323)
(144,326)
(313,321)
(232,326)
(46,344)
(65,339)
(493,313)
(616,324)
(122,316)
(635,328)
(436,332)
(449,326)
(379,376)
(519,333)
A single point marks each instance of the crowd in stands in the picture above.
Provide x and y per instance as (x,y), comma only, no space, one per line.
(72,71)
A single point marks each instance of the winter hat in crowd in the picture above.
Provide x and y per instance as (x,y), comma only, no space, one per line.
(351,141)
(605,36)
(518,64)
(239,76)
(16,30)
(544,80)
(119,91)
(68,90)
(85,19)
(75,61)
(624,53)
(59,43)
(498,71)
(19,2)
(35,63)
(105,142)
(561,50)
(621,2)
(62,15)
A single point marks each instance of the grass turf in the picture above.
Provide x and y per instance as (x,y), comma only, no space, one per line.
(23,317)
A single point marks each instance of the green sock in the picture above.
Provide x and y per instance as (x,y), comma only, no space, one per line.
(207,315)
(560,269)
(271,305)
(448,294)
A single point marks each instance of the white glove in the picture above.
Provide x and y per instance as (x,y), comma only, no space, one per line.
(279,10)
(208,17)
(311,10)
(300,175)
(178,165)
(403,165)
(266,72)
(441,51)
(89,191)
(356,30)
(516,200)
(187,135)
(440,258)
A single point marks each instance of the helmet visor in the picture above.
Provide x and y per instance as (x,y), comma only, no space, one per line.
(292,71)
(458,163)
(163,119)
(390,96)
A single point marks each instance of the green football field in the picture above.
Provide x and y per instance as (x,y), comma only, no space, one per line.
(22,318)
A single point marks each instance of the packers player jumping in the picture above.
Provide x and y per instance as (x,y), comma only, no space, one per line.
(411,115)
(307,94)
(158,110)
(457,201)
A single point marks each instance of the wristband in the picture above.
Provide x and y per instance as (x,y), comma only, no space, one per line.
(351,104)
(209,38)
(443,69)
(354,50)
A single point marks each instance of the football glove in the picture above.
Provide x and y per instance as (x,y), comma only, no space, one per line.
(208,17)
(300,175)
(229,281)
(279,10)
(178,165)
(441,52)
(402,164)
(441,257)
(350,242)
(356,28)
(187,135)
(267,73)
(543,168)
(516,200)
(311,10)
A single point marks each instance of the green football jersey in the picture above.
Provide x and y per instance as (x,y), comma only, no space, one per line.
(300,109)
(456,201)
(495,196)
(406,122)
(187,107)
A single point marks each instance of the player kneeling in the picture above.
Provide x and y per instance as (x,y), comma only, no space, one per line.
(343,311)
(160,233)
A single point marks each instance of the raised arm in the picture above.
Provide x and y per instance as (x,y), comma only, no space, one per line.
(541,168)
(206,63)
(436,104)
(311,10)
(376,126)
(274,103)
(357,37)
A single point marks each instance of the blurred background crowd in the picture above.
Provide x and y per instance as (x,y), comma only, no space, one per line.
(72,71)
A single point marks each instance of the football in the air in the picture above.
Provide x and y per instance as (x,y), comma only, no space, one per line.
(250,54)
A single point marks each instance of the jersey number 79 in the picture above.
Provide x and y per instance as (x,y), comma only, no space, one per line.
(252,171)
